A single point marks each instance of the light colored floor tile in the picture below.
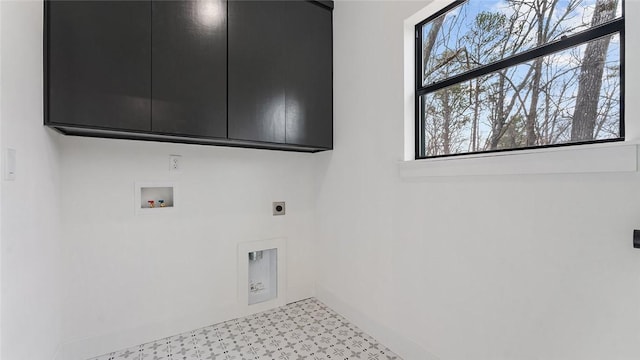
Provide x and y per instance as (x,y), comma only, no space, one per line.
(304,330)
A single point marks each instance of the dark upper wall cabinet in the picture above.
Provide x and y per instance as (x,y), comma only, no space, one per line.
(237,73)
(98,72)
(309,84)
(280,72)
(257,71)
(189,62)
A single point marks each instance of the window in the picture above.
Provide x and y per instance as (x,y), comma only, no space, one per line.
(495,75)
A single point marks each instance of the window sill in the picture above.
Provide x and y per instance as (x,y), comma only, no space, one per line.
(581,159)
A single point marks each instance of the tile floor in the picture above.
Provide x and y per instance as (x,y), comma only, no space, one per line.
(302,330)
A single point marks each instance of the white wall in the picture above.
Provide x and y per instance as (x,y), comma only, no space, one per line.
(1,165)
(495,267)
(135,278)
(31,261)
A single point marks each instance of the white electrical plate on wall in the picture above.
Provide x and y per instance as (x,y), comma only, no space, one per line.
(9,164)
(155,191)
(269,246)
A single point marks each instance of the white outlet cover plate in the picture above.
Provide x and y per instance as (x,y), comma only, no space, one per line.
(9,164)
(175,163)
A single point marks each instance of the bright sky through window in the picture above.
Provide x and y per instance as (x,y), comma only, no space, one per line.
(496,75)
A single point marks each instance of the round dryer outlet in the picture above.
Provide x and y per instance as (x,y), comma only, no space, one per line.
(278,208)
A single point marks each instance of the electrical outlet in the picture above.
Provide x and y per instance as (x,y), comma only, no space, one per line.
(9,164)
(174,163)
(278,208)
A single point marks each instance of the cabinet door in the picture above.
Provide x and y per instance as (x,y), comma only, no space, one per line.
(309,110)
(189,64)
(257,69)
(98,55)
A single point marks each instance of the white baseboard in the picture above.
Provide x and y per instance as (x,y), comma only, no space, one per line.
(297,293)
(58,354)
(402,346)
(83,349)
